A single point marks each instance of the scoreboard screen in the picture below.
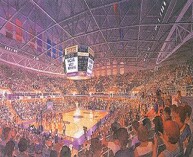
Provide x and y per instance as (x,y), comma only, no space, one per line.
(71,63)
(90,65)
(78,61)
(82,63)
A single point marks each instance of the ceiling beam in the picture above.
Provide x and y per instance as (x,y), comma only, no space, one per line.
(164,54)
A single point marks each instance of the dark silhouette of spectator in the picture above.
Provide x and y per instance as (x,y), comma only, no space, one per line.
(158,124)
(9,148)
(167,114)
(147,123)
(53,153)
(22,146)
(65,152)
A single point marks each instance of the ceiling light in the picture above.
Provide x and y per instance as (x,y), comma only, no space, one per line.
(164,3)
(160,13)
(156,27)
(162,7)
(162,10)
(158,19)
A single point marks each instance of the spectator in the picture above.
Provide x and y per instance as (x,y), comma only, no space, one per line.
(145,147)
(158,124)
(9,148)
(185,133)
(22,147)
(65,152)
(122,136)
(112,145)
(135,142)
(95,148)
(147,123)
(53,153)
(167,114)
(178,99)
(188,111)
(170,137)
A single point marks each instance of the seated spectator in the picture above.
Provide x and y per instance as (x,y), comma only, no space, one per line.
(170,137)
(145,147)
(122,136)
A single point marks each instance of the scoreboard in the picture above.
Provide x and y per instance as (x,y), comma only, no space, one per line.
(78,62)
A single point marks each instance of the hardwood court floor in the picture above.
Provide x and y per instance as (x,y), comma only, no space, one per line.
(75,120)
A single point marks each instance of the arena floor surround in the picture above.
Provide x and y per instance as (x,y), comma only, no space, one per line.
(75,121)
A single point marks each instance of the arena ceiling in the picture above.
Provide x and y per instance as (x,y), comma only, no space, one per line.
(140,33)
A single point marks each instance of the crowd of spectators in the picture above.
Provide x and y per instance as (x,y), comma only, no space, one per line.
(5,113)
(167,77)
(149,125)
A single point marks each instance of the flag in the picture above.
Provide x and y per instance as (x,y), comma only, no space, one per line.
(49,47)
(32,34)
(54,51)
(9,30)
(18,30)
(121,33)
(115,8)
(60,54)
(39,43)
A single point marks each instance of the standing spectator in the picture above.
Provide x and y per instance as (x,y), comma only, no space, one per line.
(114,145)
(188,111)
(122,136)
(145,147)
(170,137)
(185,133)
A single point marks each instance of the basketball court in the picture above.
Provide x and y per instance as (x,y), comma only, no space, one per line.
(75,121)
